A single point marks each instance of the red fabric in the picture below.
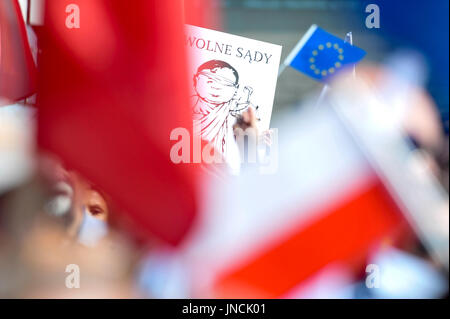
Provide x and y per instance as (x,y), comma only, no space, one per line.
(17,69)
(343,233)
(110,94)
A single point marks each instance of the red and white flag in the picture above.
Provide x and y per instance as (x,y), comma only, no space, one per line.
(113,86)
(268,236)
(17,68)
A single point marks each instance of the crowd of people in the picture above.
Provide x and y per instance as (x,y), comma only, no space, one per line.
(373,145)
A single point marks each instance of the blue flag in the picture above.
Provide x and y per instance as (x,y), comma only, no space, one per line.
(321,55)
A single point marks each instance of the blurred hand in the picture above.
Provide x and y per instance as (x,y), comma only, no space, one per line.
(246,119)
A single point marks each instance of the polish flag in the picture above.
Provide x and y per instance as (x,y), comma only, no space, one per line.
(269,236)
(17,69)
(112,88)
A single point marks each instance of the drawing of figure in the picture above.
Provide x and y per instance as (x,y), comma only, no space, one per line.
(216,86)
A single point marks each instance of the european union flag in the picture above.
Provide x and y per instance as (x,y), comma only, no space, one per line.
(320,54)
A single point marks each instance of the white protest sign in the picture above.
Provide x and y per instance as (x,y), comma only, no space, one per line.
(229,73)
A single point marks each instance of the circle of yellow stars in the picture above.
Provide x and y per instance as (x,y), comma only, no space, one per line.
(332,69)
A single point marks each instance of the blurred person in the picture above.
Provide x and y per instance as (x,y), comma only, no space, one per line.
(425,30)
(400,108)
(90,211)
(76,201)
(40,243)
(415,111)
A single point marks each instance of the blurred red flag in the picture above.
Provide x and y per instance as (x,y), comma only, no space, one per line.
(111,91)
(322,206)
(341,232)
(17,69)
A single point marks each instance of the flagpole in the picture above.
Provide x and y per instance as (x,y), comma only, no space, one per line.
(349,39)
(282,68)
(296,49)
(324,91)
(322,94)
(28,12)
